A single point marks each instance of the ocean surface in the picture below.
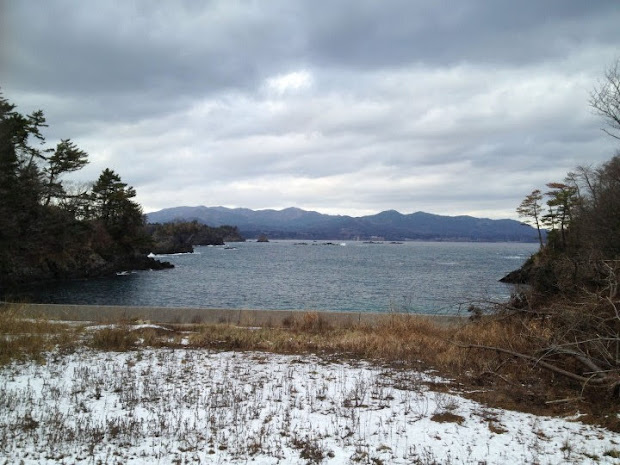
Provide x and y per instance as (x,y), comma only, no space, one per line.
(416,277)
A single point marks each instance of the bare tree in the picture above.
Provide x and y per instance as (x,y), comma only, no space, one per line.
(605,99)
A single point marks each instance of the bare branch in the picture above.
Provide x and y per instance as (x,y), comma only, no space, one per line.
(605,99)
(588,362)
(598,381)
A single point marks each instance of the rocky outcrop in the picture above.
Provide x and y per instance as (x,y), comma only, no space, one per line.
(519,276)
(142,262)
(181,237)
(83,264)
(523,275)
(167,248)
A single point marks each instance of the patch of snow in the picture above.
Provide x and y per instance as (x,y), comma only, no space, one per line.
(147,326)
(198,406)
(131,327)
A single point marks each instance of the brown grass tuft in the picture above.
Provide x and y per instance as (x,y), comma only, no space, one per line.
(25,338)
(114,338)
(313,322)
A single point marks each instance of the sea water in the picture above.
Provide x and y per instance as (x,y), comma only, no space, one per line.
(416,277)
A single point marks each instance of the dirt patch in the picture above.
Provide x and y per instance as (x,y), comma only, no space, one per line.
(447,417)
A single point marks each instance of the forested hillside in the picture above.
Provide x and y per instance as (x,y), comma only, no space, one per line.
(51,229)
(294,223)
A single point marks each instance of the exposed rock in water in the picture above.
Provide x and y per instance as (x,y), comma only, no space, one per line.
(76,265)
(515,277)
(262,238)
(143,262)
(522,275)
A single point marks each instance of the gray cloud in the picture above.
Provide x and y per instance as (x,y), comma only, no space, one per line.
(344,107)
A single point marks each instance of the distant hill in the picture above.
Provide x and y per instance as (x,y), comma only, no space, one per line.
(294,223)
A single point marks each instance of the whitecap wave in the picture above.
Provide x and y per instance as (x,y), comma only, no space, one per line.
(152,255)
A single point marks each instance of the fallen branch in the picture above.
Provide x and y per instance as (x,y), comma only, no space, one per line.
(563,401)
(606,381)
(596,370)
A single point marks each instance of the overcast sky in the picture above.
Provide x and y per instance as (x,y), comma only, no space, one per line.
(343,107)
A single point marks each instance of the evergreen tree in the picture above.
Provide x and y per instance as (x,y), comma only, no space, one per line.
(65,159)
(530,209)
(113,206)
(20,188)
(47,232)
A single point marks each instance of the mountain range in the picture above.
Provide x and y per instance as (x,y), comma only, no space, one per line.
(295,223)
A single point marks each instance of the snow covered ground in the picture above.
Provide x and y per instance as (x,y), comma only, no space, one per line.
(166,406)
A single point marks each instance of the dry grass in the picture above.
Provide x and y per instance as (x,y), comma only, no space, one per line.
(400,338)
(407,341)
(411,341)
(117,339)
(22,339)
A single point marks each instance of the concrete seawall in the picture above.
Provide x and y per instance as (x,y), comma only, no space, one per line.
(244,317)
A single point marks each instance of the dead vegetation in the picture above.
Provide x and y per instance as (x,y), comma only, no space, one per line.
(29,339)
(496,359)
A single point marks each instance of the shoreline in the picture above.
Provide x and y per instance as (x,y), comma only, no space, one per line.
(190,315)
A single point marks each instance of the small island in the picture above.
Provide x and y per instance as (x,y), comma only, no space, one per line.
(182,236)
